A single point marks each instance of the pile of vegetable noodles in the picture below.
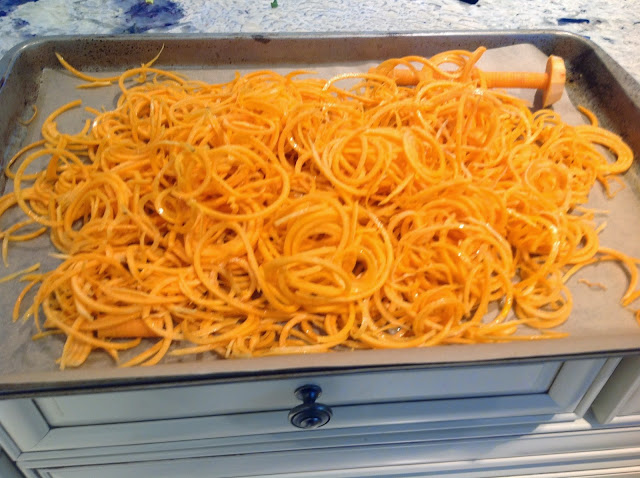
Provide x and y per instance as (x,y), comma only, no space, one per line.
(288,214)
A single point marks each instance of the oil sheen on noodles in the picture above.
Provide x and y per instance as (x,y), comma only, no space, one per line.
(290,214)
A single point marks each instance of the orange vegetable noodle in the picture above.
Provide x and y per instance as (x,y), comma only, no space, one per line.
(283,214)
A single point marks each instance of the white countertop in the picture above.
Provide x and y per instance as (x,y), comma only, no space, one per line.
(613,24)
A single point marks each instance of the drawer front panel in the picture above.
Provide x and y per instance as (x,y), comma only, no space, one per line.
(264,395)
(370,422)
(556,403)
(558,392)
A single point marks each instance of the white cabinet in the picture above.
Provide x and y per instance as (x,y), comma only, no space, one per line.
(500,419)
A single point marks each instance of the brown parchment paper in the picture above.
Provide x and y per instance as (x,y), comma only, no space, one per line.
(598,323)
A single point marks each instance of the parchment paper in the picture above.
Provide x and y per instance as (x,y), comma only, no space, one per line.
(598,323)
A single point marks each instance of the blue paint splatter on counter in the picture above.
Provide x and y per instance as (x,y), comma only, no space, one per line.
(140,16)
(7,6)
(566,21)
(19,23)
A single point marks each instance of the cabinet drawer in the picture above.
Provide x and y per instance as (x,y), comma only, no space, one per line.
(66,425)
(620,397)
(338,389)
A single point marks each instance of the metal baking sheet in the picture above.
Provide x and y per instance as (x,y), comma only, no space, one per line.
(32,76)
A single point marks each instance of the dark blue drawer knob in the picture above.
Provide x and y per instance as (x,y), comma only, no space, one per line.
(309,414)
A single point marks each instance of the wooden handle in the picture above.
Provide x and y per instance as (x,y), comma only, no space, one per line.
(516,79)
(550,82)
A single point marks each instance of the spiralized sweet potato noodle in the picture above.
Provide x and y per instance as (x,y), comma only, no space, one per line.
(289,214)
